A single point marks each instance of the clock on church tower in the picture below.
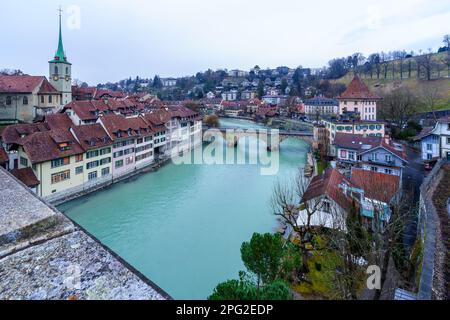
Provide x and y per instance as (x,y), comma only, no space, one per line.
(60,74)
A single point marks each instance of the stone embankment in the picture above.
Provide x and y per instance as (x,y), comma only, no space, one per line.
(44,255)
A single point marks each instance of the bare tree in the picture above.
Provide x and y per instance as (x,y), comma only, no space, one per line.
(430,96)
(398,106)
(425,62)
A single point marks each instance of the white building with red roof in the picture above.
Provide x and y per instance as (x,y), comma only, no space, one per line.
(357,98)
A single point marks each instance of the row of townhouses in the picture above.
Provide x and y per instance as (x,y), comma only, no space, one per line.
(60,157)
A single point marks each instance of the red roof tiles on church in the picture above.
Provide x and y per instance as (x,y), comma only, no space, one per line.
(19,84)
(357,89)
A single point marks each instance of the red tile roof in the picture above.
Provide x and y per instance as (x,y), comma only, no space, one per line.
(27,176)
(45,146)
(119,127)
(366,144)
(356,141)
(15,133)
(47,87)
(58,121)
(357,89)
(328,184)
(19,84)
(91,136)
(376,185)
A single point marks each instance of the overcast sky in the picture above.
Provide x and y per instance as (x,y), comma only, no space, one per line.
(115,39)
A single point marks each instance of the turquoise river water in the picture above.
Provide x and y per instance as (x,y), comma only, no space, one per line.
(183,225)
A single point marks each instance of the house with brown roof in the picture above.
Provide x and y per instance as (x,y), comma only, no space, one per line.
(357,98)
(95,141)
(370,153)
(23,98)
(133,145)
(53,156)
(330,196)
(327,200)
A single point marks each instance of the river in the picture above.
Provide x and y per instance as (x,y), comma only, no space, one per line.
(183,225)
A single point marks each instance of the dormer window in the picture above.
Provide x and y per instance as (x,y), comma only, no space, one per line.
(64,147)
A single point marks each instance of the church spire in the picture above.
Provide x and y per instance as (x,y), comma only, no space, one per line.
(60,54)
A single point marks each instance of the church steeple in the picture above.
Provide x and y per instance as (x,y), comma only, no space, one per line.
(60,55)
(60,70)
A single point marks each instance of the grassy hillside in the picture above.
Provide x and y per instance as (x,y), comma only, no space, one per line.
(382,86)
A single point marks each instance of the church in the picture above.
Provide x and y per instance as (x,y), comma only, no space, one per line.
(24,98)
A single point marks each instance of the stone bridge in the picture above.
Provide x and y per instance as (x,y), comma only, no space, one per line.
(273,138)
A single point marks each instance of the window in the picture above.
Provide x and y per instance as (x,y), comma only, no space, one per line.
(105,151)
(60,162)
(60,176)
(92,154)
(448,140)
(119,164)
(92,175)
(374,157)
(344,154)
(42,99)
(23,162)
(388,158)
(93,164)
(429,156)
(67,70)
(8,100)
(148,139)
(25,100)
(78,170)
(56,70)
(388,171)
(105,161)
(326,207)
(374,169)
(140,141)
(105,171)
(50,99)
(78,158)
(129,160)
(351,155)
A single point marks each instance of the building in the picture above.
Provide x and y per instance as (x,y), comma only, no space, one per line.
(248,95)
(23,98)
(435,141)
(319,106)
(275,99)
(378,192)
(169,82)
(132,143)
(370,153)
(60,71)
(231,95)
(331,195)
(98,157)
(358,99)
(368,128)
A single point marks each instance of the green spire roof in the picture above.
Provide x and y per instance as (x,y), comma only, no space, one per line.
(60,55)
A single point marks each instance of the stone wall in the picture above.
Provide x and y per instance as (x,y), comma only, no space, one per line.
(431,284)
(46,256)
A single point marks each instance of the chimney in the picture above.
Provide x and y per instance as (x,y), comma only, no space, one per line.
(365,134)
(387,139)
